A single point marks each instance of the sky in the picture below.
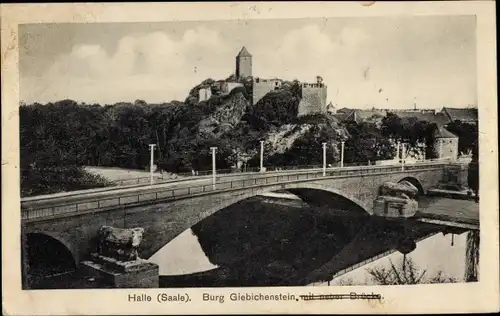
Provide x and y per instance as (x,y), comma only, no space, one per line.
(387,62)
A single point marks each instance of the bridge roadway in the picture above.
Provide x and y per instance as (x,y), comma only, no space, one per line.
(69,203)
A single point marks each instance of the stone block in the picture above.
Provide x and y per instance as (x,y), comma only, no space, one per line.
(391,207)
(143,275)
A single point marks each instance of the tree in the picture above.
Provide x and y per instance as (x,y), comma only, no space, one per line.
(392,126)
(467,135)
(406,272)
(366,143)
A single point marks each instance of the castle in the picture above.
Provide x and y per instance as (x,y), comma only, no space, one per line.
(313,94)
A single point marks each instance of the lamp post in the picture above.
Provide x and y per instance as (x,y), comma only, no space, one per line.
(261,156)
(151,162)
(324,159)
(440,148)
(213,166)
(402,156)
(342,155)
(397,150)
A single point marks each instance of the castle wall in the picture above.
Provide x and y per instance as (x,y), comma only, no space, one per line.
(229,86)
(204,94)
(261,87)
(243,67)
(313,99)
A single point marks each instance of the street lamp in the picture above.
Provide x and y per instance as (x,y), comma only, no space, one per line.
(324,159)
(213,166)
(403,156)
(261,156)
(151,162)
(342,155)
(397,150)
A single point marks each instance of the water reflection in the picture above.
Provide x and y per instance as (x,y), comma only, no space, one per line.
(183,255)
(435,255)
(269,241)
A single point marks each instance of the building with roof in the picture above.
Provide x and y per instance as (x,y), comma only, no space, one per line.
(446,144)
(330,108)
(430,116)
(358,116)
(243,64)
(464,115)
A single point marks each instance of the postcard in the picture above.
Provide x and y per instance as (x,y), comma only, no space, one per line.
(249,157)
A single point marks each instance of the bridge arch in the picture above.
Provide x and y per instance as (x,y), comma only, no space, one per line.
(415,182)
(310,192)
(46,254)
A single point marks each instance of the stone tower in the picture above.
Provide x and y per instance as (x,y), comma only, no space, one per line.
(313,98)
(243,64)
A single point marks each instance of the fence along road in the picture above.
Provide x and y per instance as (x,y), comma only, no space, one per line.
(40,207)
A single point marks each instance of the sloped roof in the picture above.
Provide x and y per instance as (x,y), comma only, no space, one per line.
(438,118)
(366,114)
(442,132)
(343,116)
(244,52)
(344,110)
(461,114)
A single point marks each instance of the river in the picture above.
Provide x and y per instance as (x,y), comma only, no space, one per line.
(266,241)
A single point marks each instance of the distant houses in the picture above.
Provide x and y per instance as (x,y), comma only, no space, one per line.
(441,118)
(464,115)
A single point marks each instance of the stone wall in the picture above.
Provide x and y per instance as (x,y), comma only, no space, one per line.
(204,94)
(229,86)
(261,87)
(313,99)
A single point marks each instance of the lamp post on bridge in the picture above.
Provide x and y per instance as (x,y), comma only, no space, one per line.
(403,156)
(213,166)
(324,159)
(342,154)
(151,162)
(397,150)
(261,156)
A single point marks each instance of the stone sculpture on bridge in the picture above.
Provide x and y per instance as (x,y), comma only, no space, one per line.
(118,243)
(396,200)
(117,263)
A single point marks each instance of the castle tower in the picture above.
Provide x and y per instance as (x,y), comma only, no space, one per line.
(243,64)
(313,98)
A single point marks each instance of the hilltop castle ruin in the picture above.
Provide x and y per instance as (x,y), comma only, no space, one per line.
(313,94)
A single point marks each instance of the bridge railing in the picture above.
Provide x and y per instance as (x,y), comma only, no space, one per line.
(30,210)
(163,178)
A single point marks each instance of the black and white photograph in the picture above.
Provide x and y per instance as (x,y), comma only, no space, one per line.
(315,152)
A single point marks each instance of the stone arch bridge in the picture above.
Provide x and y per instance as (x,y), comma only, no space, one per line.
(73,219)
